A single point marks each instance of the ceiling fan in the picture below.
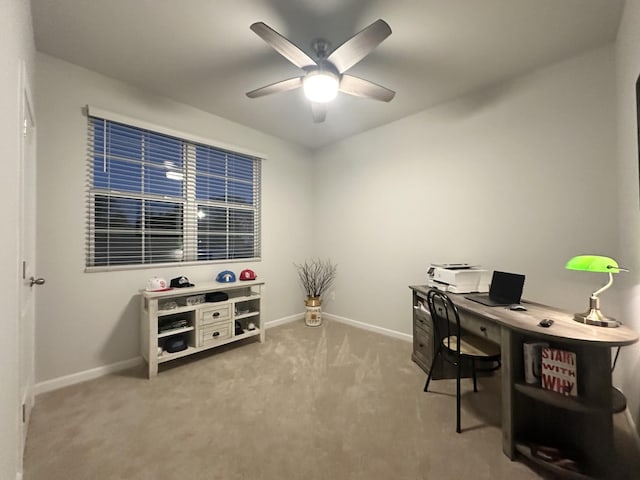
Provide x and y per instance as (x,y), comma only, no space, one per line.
(325,75)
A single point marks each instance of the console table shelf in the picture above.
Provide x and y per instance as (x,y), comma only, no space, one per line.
(174,331)
(172,311)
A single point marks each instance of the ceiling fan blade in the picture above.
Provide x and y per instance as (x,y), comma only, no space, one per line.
(319,112)
(281,86)
(283,46)
(364,88)
(359,46)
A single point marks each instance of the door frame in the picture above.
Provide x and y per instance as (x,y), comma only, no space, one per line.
(27,258)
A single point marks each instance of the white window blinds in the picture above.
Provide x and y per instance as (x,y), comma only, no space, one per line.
(155,198)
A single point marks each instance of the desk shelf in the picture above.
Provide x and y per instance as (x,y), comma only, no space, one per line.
(525,451)
(574,404)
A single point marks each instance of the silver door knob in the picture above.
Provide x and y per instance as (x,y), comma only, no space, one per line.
(36,281)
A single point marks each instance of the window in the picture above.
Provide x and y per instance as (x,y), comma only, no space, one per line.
(155,198)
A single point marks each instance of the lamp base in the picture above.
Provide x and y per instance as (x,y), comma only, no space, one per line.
(595,317)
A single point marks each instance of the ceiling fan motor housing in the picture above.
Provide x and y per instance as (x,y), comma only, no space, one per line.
(321,48)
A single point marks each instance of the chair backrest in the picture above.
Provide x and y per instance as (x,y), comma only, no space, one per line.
(445,318)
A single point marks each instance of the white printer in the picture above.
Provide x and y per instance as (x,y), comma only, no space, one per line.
(458,277)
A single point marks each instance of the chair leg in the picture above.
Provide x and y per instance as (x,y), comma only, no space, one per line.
(475,377)
(433,362)
(459,372)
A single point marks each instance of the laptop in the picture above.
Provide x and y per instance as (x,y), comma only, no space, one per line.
(506,289)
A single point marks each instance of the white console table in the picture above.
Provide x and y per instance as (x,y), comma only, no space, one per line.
(203,325)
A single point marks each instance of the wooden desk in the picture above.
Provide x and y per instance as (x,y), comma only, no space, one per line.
(581,426)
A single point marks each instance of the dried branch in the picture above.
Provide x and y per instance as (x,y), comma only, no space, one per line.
(316,276)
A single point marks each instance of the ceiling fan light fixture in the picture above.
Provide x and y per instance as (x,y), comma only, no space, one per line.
(321,86)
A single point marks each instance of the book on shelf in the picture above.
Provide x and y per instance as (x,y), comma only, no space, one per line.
(559,371)
(533,361)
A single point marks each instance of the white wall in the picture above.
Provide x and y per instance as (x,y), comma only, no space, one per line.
(628,69)
(16,46)
(89,320)
(519,177)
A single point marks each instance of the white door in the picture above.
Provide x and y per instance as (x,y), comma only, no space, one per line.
(27,229)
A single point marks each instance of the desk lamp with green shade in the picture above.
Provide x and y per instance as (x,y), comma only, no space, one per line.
(595,263)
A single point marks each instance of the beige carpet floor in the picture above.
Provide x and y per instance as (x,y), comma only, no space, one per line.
(331,402)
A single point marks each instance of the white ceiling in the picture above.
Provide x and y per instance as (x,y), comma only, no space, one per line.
(202,53)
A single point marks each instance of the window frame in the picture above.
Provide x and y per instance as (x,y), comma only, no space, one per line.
(189,201)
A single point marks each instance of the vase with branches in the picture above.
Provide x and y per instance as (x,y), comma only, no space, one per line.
(316,277)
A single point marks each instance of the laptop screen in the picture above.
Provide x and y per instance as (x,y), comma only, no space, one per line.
(506,286)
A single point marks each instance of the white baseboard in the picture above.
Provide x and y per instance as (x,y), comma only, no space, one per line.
(283,320)
(634,431)
(79,377)
(372,328)
(354,323)
(61,382)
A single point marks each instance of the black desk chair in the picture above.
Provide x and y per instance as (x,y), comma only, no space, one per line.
(454,347)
